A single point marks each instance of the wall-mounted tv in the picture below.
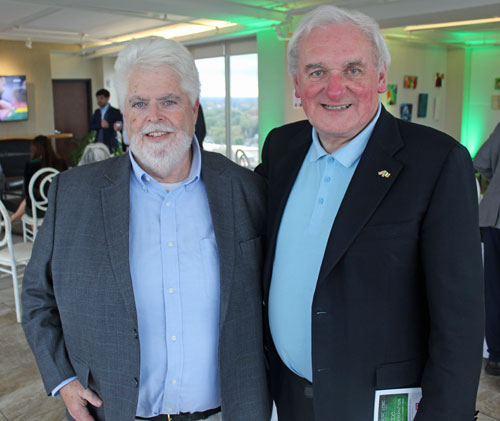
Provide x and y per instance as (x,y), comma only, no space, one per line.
(13,101)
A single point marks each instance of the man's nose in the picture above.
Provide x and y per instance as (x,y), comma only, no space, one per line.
(335,87)
(155,113)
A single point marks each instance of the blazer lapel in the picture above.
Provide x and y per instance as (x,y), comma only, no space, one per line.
(368,187)
(219,194)
(116,207)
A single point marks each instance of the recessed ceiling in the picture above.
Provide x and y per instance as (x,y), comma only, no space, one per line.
(94,23)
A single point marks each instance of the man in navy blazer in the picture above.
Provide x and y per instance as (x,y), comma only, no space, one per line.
(373,274)
(104,119)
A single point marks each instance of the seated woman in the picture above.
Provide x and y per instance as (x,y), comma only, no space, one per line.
(42,155)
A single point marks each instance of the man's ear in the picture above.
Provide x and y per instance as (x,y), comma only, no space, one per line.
(196,106)
(296,85)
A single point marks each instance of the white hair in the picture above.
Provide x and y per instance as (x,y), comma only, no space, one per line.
(153,53)
(331,15)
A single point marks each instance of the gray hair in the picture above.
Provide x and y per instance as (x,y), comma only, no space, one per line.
(153,53)
(332,15)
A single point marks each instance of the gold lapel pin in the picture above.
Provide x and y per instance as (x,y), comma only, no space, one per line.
(384,174)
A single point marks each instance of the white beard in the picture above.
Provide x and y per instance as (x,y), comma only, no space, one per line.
(160,158)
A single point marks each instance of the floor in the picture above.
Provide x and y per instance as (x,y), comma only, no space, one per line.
(23,398)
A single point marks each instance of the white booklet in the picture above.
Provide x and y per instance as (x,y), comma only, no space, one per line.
(397,404)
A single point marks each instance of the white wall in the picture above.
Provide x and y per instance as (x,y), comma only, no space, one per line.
(424,62)
(484,67)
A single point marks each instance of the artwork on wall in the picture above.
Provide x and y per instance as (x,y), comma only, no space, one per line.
(495,102)
(405,111)
(439,80)
(392,94)
(410,82)
(497,83)
(422,105)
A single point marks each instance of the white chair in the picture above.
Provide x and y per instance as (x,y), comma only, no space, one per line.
(13,257)
(37,190)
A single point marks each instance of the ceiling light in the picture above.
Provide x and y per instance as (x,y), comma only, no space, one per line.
(451,24)
(178,30)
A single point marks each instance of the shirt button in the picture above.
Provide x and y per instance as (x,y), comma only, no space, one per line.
(169,409)
(327,179)
(167,204)
(171,290)
(148,179)
(174,381)
(321,200)
(173,338)
(170,243)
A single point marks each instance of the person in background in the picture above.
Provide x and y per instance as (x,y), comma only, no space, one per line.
(373,277)
(487,163)
(104,119)
(42,155)
(142,298)
(19,109)
(200,129)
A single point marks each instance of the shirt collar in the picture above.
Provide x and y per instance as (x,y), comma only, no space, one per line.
(351,151)
(194,174)
(105,108)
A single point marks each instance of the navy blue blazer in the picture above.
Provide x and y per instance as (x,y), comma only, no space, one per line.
(109,135)
(399,297)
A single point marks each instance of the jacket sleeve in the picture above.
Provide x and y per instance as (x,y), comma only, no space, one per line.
(41,321)
(95,122)
(452,268)
(486,159)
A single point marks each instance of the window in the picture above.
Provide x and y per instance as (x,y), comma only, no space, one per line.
(229,97)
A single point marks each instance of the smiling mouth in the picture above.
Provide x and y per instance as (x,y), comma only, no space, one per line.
(336,108)
(157,134)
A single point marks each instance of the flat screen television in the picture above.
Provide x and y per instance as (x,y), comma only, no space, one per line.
(13,101)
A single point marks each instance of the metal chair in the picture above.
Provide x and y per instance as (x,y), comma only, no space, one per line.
(37,190)
(13,257)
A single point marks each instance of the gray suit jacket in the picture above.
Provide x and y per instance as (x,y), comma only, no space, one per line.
(79,310)
(486,162)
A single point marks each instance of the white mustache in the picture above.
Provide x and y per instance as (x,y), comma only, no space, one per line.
(155,127)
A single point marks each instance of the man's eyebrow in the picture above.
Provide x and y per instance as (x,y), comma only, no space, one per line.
(136,98)
(313,66)
(359,62)
(169,97)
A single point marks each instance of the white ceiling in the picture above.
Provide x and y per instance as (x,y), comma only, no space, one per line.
(96,22)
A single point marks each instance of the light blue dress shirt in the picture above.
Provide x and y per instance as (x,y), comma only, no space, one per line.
(174,266)
(100,132)
(305,227)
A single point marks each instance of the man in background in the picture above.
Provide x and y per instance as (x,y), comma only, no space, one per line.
(373,271)
(487,163)
(104,119)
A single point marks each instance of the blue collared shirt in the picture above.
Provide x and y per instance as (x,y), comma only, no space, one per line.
(174,266)
(104,110)
(305,227)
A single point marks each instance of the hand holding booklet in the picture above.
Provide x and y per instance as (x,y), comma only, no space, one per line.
(397,404)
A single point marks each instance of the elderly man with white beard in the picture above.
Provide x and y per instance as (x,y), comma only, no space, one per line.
(142,299)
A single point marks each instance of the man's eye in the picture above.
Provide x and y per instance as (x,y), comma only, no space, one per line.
(169,102)
(138,104)
(317,73)
(353,71)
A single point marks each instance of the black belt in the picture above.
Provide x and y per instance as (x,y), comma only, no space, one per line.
(184,416)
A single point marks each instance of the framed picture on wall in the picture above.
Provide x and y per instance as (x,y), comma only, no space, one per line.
(497,83)
(405,111)
(410,82)
(392,94)
(495,102)
(422,105)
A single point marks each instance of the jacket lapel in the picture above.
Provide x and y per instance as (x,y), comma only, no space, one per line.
(219,194)
(115,198)
(368,187)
